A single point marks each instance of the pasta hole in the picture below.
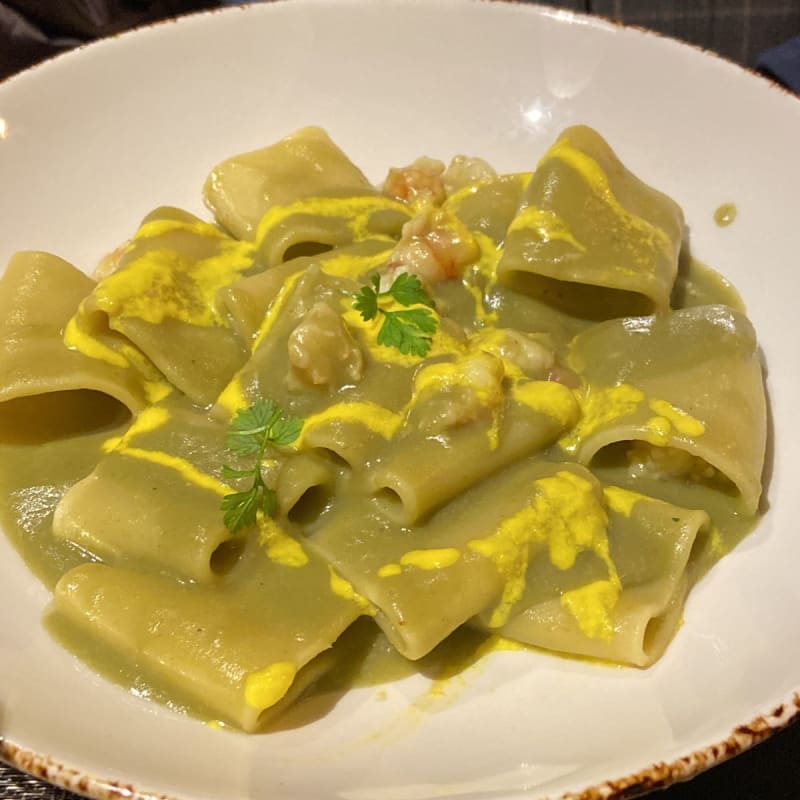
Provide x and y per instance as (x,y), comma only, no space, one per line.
(611,456)
(391,503)
(310,505)
(59,415)
(675,463)
(224,558)
(582,300)
(331,455)
(657,633)
(306,249)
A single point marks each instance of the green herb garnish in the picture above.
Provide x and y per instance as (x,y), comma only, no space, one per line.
(252,431)
(409,331)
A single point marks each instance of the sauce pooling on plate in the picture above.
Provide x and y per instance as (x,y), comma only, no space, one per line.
(725,214)
(343,420)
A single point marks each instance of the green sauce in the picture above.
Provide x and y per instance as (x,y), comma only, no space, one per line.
(725,214)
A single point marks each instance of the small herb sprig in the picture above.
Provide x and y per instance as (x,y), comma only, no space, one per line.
(252,431)
(409,330)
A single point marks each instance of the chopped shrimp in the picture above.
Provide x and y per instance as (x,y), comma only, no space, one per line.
(420,181)
(434,246)
(464,170)
(535,359)
(455,393)
(322,352)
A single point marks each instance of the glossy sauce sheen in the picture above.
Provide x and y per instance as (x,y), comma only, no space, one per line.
(373,523)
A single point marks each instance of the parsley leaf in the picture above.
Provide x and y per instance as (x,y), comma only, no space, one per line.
(240,509)
(408,291)
(252,430)
(366,302)
(409,331)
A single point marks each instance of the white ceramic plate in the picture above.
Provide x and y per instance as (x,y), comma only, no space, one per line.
(91,141)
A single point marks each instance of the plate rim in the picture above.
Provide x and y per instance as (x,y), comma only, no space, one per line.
(658,775)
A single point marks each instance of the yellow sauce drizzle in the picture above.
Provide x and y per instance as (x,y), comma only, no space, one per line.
(356,212)
(621,500)
(597,180)
(158,227)
(150,419)
(658,430)
(549,398)
(376,418)
(566,515)
(600,407)
(593,606)
(349,265)
(431,559)
(232,397)
(75,338)
(445,375)
(185,468)
(162,284)
(341,587)
(265,687)
(281,548)
(275,308)
(156,391)
(489,258)
(682,421)
(434,558)
(546,225)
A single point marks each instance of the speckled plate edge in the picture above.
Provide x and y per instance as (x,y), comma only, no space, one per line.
(657,776)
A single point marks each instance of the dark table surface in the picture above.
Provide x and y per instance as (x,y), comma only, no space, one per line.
(741,30)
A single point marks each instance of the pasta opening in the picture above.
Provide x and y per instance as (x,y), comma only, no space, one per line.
(306,249)
(59,415)
(331,455)
(310,505)
(582,300)
(391,503)
(644,460)
(225,556)
(657,633)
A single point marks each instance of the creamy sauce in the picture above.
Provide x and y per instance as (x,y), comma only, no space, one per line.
(563,522)
(725,214)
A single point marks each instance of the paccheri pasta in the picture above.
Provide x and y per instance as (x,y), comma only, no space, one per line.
(463,399)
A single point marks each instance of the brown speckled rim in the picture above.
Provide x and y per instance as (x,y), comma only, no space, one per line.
(659,775)
(48,769)
(663,774)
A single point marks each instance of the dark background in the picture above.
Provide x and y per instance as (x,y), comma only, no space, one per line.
(741,30)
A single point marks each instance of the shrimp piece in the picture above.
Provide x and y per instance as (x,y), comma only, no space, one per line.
(452,394)
(464,170)
(530,355)
(420,181)
(322,352)
(434,246)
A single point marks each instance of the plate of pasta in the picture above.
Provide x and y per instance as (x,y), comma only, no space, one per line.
(392,414)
